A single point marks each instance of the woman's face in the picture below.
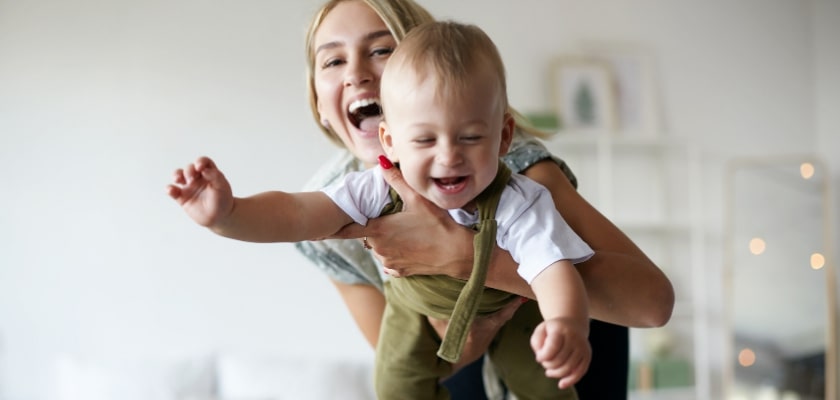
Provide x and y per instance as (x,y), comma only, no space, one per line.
(351,47)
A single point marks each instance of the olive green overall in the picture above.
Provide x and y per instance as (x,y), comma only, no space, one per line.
(411,358)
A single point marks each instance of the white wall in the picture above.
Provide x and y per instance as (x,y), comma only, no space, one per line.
(100,101)
(827,88)
(827,82)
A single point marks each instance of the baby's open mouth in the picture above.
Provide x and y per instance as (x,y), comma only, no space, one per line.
(365,114)
(449,183)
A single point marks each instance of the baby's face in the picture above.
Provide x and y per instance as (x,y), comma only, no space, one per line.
(448,144)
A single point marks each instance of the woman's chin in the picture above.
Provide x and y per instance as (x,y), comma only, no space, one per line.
(365,147)
(369,155)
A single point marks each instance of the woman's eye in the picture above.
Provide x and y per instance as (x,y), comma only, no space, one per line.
(382,51)
(332,62)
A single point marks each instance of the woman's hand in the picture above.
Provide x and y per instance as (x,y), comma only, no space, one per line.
(482,331)
(421,240)
(424,240)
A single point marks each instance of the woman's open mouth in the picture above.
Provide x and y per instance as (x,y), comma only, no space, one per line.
(365,114)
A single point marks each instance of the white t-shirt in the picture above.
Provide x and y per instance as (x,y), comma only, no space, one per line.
(529,227)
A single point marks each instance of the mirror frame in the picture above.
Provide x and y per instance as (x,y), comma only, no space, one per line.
(729,356)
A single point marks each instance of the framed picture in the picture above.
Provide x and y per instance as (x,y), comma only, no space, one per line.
(584,98)
(637,101)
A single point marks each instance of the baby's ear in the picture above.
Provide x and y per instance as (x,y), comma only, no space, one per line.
(387,141)
(508,127)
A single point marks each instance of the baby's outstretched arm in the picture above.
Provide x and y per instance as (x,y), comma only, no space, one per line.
(560,341)
(204,193)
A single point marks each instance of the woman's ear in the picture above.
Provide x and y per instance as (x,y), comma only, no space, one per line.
(324,121)
(508,127)
(387,141)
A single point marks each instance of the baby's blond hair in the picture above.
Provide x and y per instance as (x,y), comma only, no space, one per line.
(451,54)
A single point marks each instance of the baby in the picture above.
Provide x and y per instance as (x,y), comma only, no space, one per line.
(446,123)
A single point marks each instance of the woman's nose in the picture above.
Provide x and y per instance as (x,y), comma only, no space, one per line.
(358,73)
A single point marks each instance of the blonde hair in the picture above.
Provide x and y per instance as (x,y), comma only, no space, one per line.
(400,16)
(452,54)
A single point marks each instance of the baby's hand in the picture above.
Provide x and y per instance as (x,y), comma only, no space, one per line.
(561,346)
(202,191)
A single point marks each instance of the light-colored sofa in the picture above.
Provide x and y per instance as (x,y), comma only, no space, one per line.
(217,377)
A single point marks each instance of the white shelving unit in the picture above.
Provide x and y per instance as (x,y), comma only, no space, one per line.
(650,188)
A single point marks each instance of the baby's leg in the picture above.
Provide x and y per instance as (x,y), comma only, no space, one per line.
(515,362)
(407,365)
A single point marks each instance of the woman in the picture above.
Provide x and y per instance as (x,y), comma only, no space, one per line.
(348,43)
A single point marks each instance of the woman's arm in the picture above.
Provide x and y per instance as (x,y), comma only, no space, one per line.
(624,286)
(366,304)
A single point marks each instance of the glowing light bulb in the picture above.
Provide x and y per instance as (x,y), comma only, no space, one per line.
(806,169)
(746,357)
(757,246)
(817,261)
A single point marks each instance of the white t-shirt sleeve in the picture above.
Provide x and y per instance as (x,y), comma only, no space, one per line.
(361,195)
(532,230)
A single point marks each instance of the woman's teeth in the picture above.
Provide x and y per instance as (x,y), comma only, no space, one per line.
(365,114)
(362,103)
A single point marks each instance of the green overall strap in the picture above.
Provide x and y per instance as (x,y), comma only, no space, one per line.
(483,243)
(445,297)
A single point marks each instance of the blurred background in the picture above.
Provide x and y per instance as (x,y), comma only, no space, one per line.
(104,278)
